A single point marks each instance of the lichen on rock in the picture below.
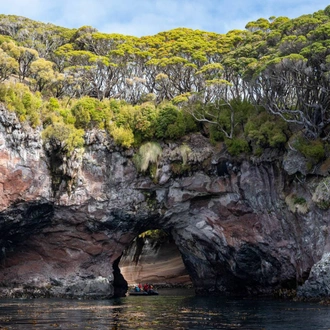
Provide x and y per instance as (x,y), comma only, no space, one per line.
(321,195)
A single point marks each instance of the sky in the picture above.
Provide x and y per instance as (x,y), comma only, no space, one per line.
(148,17)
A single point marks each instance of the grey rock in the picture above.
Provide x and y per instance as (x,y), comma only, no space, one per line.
(318,283)
(295,162)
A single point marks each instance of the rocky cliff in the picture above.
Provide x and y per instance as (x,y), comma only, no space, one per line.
(243,226)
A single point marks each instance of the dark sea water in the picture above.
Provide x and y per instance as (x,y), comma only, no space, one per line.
(172,309)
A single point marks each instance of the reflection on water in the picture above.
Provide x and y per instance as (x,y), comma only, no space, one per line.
(172,309)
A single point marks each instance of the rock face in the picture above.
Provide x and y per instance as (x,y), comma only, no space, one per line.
(243,226)
(318,283)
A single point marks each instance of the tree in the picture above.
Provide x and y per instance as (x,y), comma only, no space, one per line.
(24,56)
(288,87)
(8,65)
(42,73)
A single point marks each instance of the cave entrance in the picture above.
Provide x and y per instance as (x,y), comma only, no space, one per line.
(153,257)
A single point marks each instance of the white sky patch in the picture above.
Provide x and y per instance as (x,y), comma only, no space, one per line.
(34,9)
(80,13)
(148,17)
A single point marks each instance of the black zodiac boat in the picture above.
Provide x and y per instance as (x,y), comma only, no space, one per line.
(143,293)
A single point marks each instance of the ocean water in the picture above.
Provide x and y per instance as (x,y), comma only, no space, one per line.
(172,309)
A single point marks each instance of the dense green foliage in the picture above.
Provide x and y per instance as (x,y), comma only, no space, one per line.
(246,88)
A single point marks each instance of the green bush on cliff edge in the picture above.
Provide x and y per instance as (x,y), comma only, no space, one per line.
(313,150)
(246,88)
(64,136)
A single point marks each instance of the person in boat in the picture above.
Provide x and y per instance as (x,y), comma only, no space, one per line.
(140,286)
(136,288)
(151,289)
(146,287)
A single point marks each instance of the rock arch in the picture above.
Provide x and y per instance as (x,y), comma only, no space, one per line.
(154,258)
(233,220)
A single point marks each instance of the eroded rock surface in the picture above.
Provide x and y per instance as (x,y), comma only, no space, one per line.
(243,226)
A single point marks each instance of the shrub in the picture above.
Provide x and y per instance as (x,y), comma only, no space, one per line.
(5,39)
(53,111)
(90,112)
(312,150)
(67,116)
(237,146)
(53,104)
(32,104)
(64,136)
(18,98)
(116,104)
(264,130)
(145,121)
(82,111)
(125,116)
(190,122)
(170,122)
(122,136)
(215,134)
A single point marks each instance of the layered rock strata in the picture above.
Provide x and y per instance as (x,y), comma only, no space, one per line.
(154,260)
(242,226)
